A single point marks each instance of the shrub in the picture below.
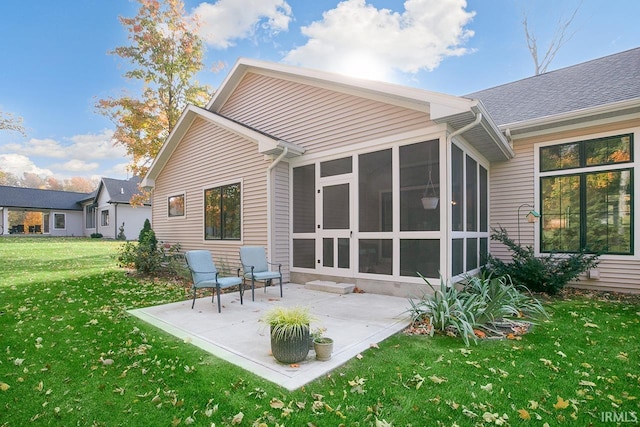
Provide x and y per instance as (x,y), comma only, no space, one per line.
(479,304)
(147,256)
(96,235)
(549,273)
(121,235)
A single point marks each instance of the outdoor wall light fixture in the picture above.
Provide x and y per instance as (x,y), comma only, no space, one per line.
(532,216)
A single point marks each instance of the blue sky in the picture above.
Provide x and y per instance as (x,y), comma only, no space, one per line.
(54,61)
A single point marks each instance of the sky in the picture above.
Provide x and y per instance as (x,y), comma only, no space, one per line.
(55,62)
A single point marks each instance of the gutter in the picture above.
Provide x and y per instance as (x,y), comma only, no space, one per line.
(270,200)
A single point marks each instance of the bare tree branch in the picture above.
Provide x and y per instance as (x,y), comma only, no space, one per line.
(560,38)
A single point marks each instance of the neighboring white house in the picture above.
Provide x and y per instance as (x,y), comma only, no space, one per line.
(372,183)
(110,209)
(67,213)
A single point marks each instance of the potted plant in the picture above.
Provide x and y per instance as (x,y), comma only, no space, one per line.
(322,345)
(289,331)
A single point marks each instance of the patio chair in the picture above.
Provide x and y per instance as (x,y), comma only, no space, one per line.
(256,267)
(205,275)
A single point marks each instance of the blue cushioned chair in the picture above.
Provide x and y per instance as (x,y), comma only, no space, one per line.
(256,267)
(205,275)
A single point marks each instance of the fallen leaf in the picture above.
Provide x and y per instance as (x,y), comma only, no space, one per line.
(524,414)
(587,383)
(438,380)
(488,388)
(591,325)
(276,403)
(294,365)
(561,403)
(4,386)
(373,345)
(237,418)
(359,356)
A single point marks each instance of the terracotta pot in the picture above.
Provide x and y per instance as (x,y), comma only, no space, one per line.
(323,348)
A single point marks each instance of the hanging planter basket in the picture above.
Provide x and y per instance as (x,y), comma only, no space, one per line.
(430,203)
(430,198)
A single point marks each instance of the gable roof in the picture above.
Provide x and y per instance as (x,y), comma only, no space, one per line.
(118,190)
(456,112)
(598,86)
(34,198)
(267,144)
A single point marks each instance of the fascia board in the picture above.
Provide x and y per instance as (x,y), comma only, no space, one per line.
(523,126)
(404,96)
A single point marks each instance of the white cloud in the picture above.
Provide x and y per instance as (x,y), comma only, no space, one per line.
(358,39)
(82,147)
(17,165)
(228,20)
(76,165)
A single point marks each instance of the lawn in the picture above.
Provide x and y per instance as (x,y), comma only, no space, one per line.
(71,355)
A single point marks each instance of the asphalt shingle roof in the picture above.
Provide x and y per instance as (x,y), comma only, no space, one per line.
(120,191)
(590,84)
(33,198)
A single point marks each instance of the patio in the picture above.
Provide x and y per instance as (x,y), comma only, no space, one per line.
(355,321)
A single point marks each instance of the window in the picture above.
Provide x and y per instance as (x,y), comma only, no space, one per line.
(222,213)
(59,221)
(469,212)
(420,187)
(104,217)
(176,205)
(586,193)
(90,216)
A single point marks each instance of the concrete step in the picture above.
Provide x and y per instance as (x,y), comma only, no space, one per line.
(333,287)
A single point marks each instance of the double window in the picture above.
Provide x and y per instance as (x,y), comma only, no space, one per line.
(222,212)
(586,195)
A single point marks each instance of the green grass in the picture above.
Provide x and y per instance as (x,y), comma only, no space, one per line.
(63,308)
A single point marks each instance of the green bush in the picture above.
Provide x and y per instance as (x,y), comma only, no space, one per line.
(479,304)
(96,235)
(548,274)
(147,256)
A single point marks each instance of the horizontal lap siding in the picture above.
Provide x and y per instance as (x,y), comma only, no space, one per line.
(316,118)
(208,156)
(512,183)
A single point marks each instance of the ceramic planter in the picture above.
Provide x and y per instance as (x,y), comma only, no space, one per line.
(290,349)
(323,348)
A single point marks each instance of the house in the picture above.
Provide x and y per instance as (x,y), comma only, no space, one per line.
(376,184)
(67,213)
(58,213)
(110,209)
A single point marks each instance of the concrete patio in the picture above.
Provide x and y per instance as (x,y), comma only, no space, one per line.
(355,321)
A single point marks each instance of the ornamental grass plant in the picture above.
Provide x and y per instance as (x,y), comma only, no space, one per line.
(72,355)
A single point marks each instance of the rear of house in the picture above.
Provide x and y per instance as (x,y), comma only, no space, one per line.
(376,184)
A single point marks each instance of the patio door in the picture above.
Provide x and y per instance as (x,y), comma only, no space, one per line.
(334,245)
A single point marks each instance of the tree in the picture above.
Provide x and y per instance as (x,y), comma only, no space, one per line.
(165,54)
(11,123)
(560,37)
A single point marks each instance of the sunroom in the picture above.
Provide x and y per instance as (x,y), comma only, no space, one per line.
(382,214)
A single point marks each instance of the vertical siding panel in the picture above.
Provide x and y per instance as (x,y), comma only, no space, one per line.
(281,220)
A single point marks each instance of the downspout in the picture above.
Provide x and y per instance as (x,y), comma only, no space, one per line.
(269,201)
(449,231)
(115,223)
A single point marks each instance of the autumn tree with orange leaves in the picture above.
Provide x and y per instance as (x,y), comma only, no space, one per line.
(165,54)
